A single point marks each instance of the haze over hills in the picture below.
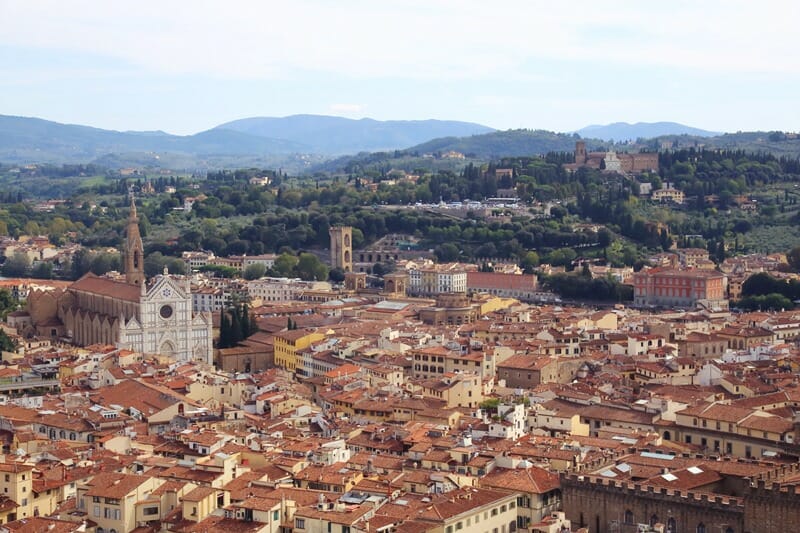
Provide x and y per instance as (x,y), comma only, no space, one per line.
(24,139)
(303,143)
(338,135)
(623,131)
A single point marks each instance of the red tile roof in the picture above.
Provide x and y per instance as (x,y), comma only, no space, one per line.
(107,287)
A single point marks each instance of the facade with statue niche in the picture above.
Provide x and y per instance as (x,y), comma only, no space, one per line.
(154,318)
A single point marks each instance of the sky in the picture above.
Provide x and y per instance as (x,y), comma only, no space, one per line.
(187,66)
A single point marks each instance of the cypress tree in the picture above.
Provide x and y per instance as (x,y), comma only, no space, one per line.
(224,330)
(244,319)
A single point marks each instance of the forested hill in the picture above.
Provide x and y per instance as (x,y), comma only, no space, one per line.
(502,144)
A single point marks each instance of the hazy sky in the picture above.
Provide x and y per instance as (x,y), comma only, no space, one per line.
(186,66)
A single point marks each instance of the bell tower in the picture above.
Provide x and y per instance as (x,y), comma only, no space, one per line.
(342,247)
(134,249)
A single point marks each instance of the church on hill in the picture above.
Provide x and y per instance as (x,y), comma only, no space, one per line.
(154,317)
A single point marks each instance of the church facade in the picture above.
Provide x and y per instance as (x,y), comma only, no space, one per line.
(154,318)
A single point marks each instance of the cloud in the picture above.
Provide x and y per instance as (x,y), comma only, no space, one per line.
(433,40)
(347,109)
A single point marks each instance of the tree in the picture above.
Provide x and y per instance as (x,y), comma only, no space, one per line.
(7,303)
(255,271)
(529,261)
(17,266)
(103,262)
(42,270)
(604,238)
(284,265)
(310,268)
(793,257)
(562,257)
(336,275)
(447,252)
(6,344)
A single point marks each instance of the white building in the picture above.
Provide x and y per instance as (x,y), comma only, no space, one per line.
(283,289)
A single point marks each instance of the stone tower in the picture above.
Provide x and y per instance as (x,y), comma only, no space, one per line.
(134,249)
(580,153)
(342,247)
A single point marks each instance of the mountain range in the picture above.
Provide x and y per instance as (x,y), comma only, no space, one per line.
(24,139)
(623,131)
(301,143)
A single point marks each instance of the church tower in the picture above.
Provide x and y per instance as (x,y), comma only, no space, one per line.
(580,153)
(341,247)
(134,249)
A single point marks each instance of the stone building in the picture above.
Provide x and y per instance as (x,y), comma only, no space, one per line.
(131,314)
(342,247)
(613,161)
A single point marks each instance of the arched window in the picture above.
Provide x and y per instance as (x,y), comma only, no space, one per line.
(667,435)
(653,520)
(628,516)
(729,530)
(701,528)
(672,527)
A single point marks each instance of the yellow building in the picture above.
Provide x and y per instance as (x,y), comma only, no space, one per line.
(289,343)
(202,501)
(458,390)
(115,501)
(16,496)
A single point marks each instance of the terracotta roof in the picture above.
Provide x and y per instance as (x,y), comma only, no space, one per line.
(532,480)
(107,287)
(113,485)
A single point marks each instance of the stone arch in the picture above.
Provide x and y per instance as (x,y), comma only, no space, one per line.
(167,348)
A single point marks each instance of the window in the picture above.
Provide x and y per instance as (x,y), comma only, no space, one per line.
(459,525)
(150,511)
(494,511)
(276,515)
(628,516)
(95,499)
(503,508)
(701,528)
(449,529)
(97,510)
(300,523)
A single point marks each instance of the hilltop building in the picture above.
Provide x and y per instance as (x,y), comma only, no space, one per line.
(613,161)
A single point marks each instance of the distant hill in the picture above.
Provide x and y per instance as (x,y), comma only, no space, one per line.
(501,144)
(622,131)
(24,139)
(34,140)
(337,135)
(476,148)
